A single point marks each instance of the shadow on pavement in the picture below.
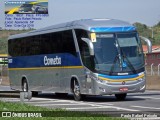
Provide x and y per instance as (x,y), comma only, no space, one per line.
(88,98)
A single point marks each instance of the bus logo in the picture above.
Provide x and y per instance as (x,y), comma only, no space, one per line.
(52,61)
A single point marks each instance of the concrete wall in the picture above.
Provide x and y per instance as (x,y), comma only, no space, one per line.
(153,82)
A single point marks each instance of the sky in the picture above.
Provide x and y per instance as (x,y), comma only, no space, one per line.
(143,11)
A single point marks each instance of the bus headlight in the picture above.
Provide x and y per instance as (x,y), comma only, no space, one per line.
(91,77)
(141,79)
(101,81)
(96,78)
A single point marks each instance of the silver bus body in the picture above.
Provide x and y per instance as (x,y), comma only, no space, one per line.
(47,72)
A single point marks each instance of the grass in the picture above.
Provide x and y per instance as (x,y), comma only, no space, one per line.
(3,45)
(54,114)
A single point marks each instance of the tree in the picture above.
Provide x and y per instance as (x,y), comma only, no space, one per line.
(143,30)
(158,24)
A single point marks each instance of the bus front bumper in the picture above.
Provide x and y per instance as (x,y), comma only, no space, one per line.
(118,88)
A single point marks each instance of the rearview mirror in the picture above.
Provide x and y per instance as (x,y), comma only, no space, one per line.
(90,45)
(149,44)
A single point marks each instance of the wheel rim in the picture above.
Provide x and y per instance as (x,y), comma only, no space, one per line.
(25,87)
(76,89)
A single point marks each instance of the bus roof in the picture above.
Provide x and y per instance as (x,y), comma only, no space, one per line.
(93,25)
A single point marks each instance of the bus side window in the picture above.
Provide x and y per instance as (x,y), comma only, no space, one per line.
(84,49)
(56,43)
(68,42)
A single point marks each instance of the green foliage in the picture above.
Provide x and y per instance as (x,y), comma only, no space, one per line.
(153,33)
(3,45)
(158,24)
(143,29)
(56,113)
(4,34)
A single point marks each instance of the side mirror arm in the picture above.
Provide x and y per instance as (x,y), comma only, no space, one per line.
(90,45)
(149,44)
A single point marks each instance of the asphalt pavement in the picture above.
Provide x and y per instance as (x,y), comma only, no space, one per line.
(5,88)
(148,103)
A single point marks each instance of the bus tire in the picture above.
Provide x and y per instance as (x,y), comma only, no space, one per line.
(24,85)
(25,90)
(121,97)
(76,91)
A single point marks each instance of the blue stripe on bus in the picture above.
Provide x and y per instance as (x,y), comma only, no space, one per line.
(113,29)
(38,61)
(118,77)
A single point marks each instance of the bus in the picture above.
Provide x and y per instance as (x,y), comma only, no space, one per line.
(82,57)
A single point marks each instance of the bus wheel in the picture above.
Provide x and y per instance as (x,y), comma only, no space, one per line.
(76,91)
(25,94)
(121,97)
(25,86)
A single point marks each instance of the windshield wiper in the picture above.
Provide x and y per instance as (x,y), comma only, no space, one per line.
(114,62)
(129,63)
(117,57)
(121,57)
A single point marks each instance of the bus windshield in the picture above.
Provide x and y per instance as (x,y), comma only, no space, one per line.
(120,52)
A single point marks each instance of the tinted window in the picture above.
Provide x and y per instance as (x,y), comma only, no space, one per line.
(84,49)
(68,43)
(51,43)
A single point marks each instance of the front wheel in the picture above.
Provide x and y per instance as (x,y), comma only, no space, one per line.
(25,86)
(26,94)
(76,91)
(121,97)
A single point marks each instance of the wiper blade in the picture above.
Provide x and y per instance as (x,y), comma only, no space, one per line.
(112,68)
(129,63)
(119,54)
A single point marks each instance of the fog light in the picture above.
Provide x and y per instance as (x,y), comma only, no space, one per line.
(142,87)
(141,79)
(101,81)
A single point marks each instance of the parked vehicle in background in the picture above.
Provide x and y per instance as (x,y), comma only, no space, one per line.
(25,8)
(39,9)
(33,9)
(42,10)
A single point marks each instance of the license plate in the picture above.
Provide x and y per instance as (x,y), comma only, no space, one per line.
(123,89)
